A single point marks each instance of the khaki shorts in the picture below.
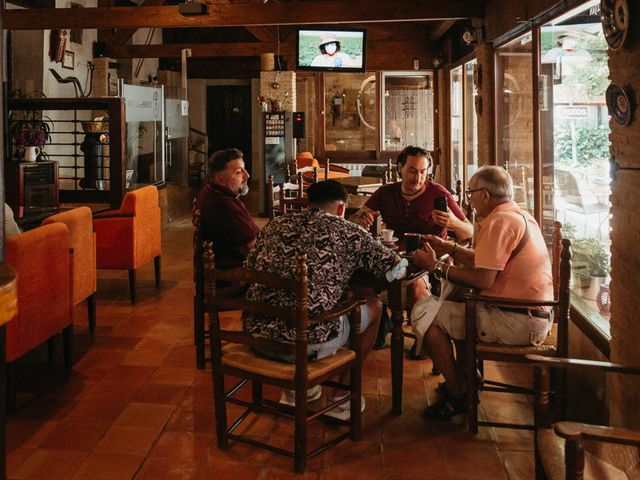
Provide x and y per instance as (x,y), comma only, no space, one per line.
(494,325)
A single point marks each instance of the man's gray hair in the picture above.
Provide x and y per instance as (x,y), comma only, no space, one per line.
(496,180)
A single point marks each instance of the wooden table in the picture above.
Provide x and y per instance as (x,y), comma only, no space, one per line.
(360,184)
(397,292)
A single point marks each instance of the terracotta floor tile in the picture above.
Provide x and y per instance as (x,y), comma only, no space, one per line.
(145,415)
(108,466)
(198,421)
(229,470)
(73,436)
(50,464)
(467,462)
(186,447)
(155,468)
(158,393)
(173,375)
(519,464)
(129,374)
(127,440)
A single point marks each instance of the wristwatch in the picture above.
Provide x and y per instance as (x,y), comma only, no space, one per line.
(437,271)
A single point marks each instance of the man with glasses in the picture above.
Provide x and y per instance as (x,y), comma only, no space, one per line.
(509,260)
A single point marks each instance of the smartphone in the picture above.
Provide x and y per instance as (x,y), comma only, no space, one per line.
(440,203)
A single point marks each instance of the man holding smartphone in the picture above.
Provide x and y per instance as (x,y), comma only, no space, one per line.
(414,205)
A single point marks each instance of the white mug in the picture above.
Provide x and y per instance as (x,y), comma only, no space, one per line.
(387,234)
(31,154)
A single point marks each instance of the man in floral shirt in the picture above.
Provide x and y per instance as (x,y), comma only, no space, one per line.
(335,248)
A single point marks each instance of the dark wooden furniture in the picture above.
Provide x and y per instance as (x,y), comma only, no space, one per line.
(232,354)
(578,450)
(32,187)
(397,297)
(287,196)
(8,310)
(355,185)
(477,352)
(115,108)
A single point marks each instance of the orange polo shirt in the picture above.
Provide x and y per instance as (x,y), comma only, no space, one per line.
(528,274)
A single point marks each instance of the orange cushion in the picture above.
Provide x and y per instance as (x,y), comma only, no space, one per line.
(42,262)
(82,241)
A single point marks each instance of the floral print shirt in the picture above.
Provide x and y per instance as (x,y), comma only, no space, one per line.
(335,249)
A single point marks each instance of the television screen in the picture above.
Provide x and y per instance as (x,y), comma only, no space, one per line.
(335,50)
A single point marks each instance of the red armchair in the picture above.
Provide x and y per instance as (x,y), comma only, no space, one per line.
(83,259)
(41,259)
(130,236)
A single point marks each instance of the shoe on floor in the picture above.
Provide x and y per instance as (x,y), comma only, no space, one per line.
(383,328)
(343,411)
(288,397)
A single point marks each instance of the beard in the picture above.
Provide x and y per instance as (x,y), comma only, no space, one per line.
(243,190)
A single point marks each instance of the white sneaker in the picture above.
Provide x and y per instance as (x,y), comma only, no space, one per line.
(343,411)
(288,397)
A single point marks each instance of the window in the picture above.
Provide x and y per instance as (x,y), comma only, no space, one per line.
(351,111)
(514,114)
(464,121)
(457,158)
(575,146)
(408,110)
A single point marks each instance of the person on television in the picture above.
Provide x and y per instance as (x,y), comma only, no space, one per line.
(330,54)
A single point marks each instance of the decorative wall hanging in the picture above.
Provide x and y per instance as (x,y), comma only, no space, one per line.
(614,15)
(477,76)
(618,104)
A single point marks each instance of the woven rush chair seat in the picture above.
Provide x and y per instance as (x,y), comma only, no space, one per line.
(548,348)
(244,358)
(556,343)
(234,353)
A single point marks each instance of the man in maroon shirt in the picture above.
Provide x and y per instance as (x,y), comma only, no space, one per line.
(224,219)
(408,207)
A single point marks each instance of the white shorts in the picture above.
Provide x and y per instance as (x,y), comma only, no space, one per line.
(330,347)
(495,325)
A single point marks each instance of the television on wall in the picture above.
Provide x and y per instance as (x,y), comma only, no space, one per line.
(325,49)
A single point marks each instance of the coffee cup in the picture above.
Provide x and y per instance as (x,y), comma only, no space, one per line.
(412,241)
(387,234)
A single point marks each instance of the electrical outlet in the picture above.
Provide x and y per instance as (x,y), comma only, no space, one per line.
(416,65)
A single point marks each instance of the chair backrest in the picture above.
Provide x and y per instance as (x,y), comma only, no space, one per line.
(82,241)
(289,191)
(144,204)
(42,261)
(220,300)
(568,188)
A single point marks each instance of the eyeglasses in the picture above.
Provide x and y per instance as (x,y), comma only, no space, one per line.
(468,191)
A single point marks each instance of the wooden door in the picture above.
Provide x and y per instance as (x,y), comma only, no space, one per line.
(229,119)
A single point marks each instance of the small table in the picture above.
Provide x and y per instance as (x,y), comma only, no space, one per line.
(397,292)
(360,184)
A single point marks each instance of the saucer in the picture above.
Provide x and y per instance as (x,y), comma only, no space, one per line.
(393,240)
(391,246)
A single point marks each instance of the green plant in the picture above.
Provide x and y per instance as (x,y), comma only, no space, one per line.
(29,128)
(591,146)
(591,256)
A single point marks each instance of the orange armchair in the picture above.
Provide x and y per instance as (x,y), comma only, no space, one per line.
(130,236)
(42,261)
(83,259)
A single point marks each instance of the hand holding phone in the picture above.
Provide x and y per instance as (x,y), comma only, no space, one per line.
(440,203)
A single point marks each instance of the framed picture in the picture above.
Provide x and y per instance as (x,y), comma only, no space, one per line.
(68,60)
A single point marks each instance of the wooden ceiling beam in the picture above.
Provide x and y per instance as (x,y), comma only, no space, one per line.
(245,14)
(172,50)
(442,28)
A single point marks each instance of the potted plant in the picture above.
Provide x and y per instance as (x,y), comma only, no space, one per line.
(29,131)
(591,265)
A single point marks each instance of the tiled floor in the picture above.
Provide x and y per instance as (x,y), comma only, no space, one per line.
(136,406)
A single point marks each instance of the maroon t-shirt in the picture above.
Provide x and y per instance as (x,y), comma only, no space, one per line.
(411,216)
(225,221)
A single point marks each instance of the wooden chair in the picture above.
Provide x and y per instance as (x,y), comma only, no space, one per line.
(287,195)
(232,354)
(130,236)
(477,352)
(82,240)
(568,450)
